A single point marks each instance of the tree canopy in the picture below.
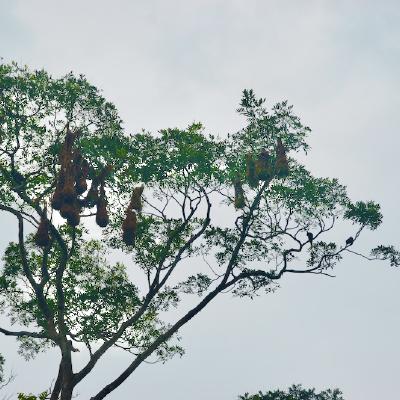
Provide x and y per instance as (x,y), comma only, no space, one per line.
(295,392)
(193,214)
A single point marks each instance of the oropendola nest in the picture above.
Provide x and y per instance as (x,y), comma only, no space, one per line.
(251,170)
(68,192)
(81,170)
(92,196)
(42,237)
(281,162)
(101,214)
(136,199)
(65,156)
(65,192)
(81,185)
(262,166)
(56,200)
(72,182)
(71,213)
(129,227)
(239,194)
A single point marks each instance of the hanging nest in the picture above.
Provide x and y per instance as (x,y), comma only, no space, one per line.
(74,218)
(239,194)
(71,212)
(92,196)
(136,199)
(65,155)
(81,167)
(129,227)
(65,189)
(81,185)
(42,237)
(281,163)
(57,200)
(68,192)
(262,166)
(65,192)
(101,214)
(251,170)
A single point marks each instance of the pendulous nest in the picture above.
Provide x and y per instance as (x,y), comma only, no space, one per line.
(42,237)
(129,227)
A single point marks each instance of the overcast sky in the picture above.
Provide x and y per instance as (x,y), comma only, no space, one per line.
(169,63)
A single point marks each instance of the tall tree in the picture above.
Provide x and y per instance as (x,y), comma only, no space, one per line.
(295,392)
(193,214)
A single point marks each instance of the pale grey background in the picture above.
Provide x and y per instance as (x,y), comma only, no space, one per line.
(168,63)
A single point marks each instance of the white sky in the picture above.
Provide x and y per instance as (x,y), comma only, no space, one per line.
(169,63)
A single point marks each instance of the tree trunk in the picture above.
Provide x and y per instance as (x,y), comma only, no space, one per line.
(67,382)
(57,385)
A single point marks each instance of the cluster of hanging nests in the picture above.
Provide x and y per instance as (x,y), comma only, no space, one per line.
(72,184)
(261,168)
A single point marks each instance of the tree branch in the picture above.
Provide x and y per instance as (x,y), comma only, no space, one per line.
(37,335)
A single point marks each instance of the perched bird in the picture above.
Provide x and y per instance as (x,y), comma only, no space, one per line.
(310,237)
(349,241)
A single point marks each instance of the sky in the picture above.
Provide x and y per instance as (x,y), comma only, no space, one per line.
(169,63)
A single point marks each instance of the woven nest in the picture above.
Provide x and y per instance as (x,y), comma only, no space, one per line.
(56,200)
(239,194)
(81,185)
(251,171)
(68,192)
(262,166)
(101,214)
(65,156)
(136,199)
(129,227)
(81,171)
(281,163)
(71,212)
(74,218)
(92,196)
(42,237)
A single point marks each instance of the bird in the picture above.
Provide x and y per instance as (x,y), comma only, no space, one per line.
(349,241)
(310,237)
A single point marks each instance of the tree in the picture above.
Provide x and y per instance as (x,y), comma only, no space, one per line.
(295,392)
(65,161)
(4,380)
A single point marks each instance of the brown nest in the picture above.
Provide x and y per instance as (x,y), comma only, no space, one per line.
(101,214)
(92,196)
(65,190)
(136,199)
(68,192)
(42,237)
(65,156)
(56,200)
(129,227)
(251,170)
(281,163)
(262,166)
(74,217)
(66,210)
(81,174)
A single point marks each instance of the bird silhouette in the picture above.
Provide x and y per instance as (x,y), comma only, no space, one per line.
(349,241)
(310,237)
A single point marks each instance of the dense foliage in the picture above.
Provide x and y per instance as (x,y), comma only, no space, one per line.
(295,392)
